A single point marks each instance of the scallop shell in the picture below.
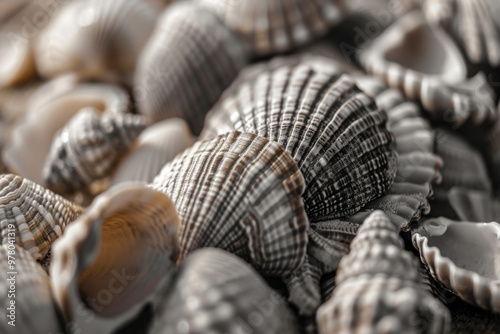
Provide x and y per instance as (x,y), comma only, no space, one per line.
(463,256)
(277,25)
(241,193)
(157,145)
(49,109)
(231,298)
(26,288)
(113,259)
(334,131)
(95,39)
(187,63)
(88,148)
(424,63)
(35,215)
(379,287)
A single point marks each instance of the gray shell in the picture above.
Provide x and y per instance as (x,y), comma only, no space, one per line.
(216,292)
(379,289)
(241,193)
(185,66)
(88,148)
(334,131)
(38,215)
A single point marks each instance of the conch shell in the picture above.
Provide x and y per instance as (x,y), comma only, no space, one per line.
(241,193)
(216,292)
(187,63)
(34,215)
(88,148)
(379,288)
(112,260)
(464,257)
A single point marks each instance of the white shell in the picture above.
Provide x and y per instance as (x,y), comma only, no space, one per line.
(464,257)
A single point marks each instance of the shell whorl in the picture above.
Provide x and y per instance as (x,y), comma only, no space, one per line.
(379,287)
(334,131)
(187,63)
(241,193)
(38,216)
(88,148)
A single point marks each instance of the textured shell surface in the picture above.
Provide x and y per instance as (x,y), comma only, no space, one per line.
(110,262)
(271,26)
(464,257)
(88,148)
(157,145)
(95,39)
(188,61)
(333,130)
(379,289)
(241,193)
(34,215)
(214,291)
(49,109)
(35,310)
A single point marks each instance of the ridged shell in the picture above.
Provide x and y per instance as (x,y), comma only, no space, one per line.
(88,148)
(185,66)
(379,289)
(334,131)
(34,214)
(474,24)
(470,205)
(424,63)
(49,109)
(216,292)
(28,294)
(113,259)
(271,26)
(95,39)
(241,193)
(464,257)
(157,145)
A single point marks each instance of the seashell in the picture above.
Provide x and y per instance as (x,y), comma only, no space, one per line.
(379,288)
(187,63)
(241,193)
(463,256)
(334,131)
(157,145)
(471,205)
(35,215)
(95,39)
(49,109)
(88,148)
(277,25)
(113,259)
(231,298)
(34,308)
(424,63)
(474,24)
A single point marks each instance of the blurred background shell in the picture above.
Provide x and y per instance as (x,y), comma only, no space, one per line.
(157,145)
(187,63)
(241,193)
(216,292)
(379,289)
(271,26)
(34,215)
(29,293)
(111,261)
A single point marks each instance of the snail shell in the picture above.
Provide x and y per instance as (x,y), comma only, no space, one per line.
(88,148)
(111,261)
(379,288)
(231,298)
(34,214)
(241,193)
(185,66)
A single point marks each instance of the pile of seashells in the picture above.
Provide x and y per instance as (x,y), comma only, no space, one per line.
(248,166)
